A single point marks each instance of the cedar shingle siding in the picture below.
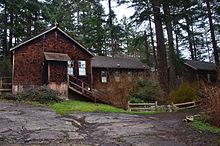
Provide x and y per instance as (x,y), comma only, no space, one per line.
(30,68)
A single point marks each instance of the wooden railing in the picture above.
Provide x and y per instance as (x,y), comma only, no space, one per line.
(185,105)
(142,106)
(5,84)
(85,89)
(155,107)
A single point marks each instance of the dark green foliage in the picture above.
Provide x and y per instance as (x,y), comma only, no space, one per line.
(185,93)
(146,91)
(42,95)
(5,68)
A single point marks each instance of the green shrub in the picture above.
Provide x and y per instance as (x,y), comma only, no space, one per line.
(185,93)
(42,95)
(5,67)
(212,102)
(146,91)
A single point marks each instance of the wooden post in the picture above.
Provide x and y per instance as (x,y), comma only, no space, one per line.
(1,82)
(129,106)
(82,87)
(156,105)
(172,106)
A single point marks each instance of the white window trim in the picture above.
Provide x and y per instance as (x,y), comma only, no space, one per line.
(82,68)
(70,67)
(104,78)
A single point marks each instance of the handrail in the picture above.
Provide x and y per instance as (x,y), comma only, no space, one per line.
(79,80)
(80,87)
(5,82)
(97,90)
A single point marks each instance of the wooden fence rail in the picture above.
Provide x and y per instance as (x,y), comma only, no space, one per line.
(185,105)
(155,107)
(5,84)
(142,106)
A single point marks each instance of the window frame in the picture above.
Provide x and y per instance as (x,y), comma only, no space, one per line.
(104,76)
(70,65)
(117,76)
(82,67)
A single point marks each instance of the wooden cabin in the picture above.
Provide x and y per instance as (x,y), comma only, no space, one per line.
(58,61)
(199,70)
(48,59)
(116,76)
(107,70)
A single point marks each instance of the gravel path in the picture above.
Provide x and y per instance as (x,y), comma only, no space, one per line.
(22,124)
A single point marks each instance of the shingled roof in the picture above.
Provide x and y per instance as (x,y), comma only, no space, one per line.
(200,65)
(45,32)
(113,62)
(51,56)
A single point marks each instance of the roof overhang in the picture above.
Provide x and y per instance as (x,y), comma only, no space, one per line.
(45,32)
(50,56)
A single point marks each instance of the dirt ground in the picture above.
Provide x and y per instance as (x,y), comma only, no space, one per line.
(22,124)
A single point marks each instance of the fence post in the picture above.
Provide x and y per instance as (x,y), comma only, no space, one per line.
(82,87)
(172,106)
(156,106)
(129,109)
(1,82)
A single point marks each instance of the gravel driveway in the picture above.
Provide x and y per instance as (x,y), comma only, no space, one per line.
(23,124)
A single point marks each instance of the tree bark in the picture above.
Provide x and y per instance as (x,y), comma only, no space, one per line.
(161,50)
(189,35)
(4,41)
(177,46)
(147,48)
(29,21)
(11,32)
(172,57)
(111,29)
(152,43)
(214,44)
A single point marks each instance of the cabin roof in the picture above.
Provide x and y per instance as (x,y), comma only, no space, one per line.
(200,65)
(45,32)
(50,56)
(117,62)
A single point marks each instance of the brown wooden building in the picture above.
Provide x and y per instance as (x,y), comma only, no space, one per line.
(199,70)
(116,76)
(46,59)
(55,59)
(107,70)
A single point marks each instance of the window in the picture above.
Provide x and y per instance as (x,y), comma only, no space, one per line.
(209,78)
(117,76)
(70,64)
(129,76)
(104,76)
(82,67)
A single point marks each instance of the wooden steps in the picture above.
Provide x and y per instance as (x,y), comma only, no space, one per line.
(85,89)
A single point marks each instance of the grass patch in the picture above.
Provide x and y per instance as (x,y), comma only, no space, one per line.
(73,106)
(205,127)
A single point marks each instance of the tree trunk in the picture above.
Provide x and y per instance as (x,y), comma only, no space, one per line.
(194,44)
(29,21)
(161,50)
(177,46)
(111,29)
(172,57)
(214,44)
(36,21)
(11,30)
(4,41)
(147,48)
(152,43)
(189,35)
